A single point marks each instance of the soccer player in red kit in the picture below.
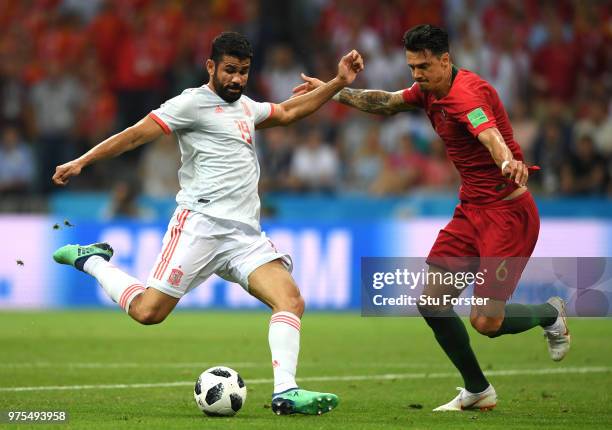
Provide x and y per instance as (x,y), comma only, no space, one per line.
(495,226)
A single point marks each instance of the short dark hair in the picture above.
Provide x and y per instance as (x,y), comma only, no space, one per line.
(232,44)
(425,36)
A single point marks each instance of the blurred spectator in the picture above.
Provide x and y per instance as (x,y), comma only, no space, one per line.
(315,165)
(439,173)
(387,69)
(585,170)
(368,162)
(550,61)
(550,152)
(413,123)
(106,31)
(504,66)
(159,168)
(185,74)
(124,204)
(554,64)
(62,40)
(85,10)
(17,163)
(597,125)
(281,73)
(403,170)
(55,103)
(13,91)
(423,11)
(275,157)
(139,69)
(524,125)
(99,115)
(351,31)
(466,49)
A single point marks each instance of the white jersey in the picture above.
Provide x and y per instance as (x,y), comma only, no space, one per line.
(219,172)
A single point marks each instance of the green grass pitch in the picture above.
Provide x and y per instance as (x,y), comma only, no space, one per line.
(388,372)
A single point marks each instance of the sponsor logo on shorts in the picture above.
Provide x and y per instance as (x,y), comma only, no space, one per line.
(175,277)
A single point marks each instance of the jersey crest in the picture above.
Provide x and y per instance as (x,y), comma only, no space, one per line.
(175,277)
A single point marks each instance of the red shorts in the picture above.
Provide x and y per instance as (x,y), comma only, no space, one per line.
(494,240)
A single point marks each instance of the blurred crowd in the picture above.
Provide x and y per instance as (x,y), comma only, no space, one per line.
(74,72)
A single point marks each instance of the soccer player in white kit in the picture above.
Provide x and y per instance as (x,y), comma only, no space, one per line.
(215,228)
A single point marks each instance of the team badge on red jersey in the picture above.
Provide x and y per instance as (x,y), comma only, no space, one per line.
(175,277)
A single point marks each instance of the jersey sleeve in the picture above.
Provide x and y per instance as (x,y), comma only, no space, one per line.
(177,113)
(261,111)
(475,110)
(477,118)
(413,96)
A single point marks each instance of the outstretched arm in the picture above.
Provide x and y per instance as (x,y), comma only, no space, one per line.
(374,101)
(514,170)
(298,107)
(371,101)
(132,137)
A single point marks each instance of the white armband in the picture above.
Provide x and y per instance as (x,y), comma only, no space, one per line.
(504,164)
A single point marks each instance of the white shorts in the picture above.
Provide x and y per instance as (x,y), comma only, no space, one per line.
(197,245)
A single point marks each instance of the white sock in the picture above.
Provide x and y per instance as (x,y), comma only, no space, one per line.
(284,339)
(119,286)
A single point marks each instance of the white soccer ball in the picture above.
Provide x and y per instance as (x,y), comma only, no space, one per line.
(220,391)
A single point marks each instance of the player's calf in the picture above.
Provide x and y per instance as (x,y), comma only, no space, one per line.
(273,285)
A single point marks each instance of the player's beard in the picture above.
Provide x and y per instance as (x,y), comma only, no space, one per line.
(224,92)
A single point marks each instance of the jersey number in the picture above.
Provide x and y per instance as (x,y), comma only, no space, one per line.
(244,130)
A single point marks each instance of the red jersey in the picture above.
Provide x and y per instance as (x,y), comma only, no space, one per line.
(471,106)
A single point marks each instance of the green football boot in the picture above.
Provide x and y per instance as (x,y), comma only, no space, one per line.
(77,255)
(298,401)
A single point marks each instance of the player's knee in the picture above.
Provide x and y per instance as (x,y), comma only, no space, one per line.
(295,304)
(487,326)
(149,316)
(291,302)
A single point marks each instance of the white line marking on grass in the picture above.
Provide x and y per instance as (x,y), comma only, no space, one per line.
(106,365)
(387,376)
(197,365)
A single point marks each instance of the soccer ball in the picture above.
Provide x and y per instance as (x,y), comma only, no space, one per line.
(220,391)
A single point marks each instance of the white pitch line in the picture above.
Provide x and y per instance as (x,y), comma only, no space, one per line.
(348,378)
(119,365)
(202,365)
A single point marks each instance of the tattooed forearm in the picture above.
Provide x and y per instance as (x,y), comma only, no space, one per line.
(372,101)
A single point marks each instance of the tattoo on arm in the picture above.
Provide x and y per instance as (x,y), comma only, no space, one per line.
(373,101)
